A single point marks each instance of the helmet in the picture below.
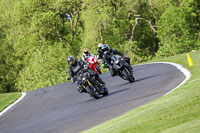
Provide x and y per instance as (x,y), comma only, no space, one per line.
(70,59)
(100,45)
(86,51)
(105,48)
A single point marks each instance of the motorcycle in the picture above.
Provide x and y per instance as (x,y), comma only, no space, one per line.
(91,85)
(121,68)
(94,65)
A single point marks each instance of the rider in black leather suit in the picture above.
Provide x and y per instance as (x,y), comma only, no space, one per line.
(107,57)
(79,65)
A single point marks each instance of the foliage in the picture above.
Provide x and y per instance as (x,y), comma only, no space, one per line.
(48,67)
(178,28)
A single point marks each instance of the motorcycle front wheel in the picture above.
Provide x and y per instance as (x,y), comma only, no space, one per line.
(98,69)
(128,76)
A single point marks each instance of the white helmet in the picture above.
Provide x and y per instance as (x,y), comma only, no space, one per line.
(100,45)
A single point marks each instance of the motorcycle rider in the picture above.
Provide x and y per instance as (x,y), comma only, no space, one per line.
(107,57)
(77,66)
(86,55)
(100,51)
(100,54)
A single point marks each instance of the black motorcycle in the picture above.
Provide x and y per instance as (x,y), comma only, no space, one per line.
(121,68)
(91,85)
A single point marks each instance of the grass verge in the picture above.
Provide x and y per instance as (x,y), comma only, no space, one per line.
(178,112)
(8,98)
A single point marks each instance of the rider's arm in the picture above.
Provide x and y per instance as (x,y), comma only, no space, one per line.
(117,52)
(71,74)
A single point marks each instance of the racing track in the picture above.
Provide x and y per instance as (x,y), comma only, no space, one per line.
(62,109)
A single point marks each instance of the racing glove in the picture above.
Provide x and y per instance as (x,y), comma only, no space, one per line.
(72,80)
(103,65)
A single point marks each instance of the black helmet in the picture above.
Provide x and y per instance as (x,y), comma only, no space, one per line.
(86,51)
(70,59)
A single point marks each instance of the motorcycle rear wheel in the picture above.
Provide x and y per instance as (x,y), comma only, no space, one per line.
(105,93)
(90,89)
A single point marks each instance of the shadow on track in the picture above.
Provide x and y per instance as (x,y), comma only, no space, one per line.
(119,91)
(138,69)
(109,94)
(137,80)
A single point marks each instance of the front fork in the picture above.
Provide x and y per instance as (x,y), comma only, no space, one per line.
(88,83)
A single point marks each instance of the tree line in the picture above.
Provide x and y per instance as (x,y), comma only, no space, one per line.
(36,36)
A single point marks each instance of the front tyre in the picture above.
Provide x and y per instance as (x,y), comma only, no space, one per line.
(91,90)
(98,69)
(132,79)
(128,76)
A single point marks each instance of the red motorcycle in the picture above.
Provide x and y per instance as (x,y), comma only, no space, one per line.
(94,64)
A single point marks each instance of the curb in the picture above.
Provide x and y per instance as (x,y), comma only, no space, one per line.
(11,105)
(178,66)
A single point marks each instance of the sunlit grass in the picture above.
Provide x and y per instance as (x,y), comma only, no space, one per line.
(177,112)
(8,98)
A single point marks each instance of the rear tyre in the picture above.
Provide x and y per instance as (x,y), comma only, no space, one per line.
(105,91)
(91,90)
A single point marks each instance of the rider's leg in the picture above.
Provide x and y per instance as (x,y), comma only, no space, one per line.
(128,61)
(97,77)
(112,72)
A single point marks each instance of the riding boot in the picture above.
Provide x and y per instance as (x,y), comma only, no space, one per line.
(112,72)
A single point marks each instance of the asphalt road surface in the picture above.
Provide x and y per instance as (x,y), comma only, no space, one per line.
(62,109)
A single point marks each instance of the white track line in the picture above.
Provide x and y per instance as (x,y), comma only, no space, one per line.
(181,68)
(10,106)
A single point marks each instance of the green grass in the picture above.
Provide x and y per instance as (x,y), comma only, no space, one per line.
(8,98)
(177,112)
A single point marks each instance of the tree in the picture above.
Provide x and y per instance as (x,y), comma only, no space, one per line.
(178,28)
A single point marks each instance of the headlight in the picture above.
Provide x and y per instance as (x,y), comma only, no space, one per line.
(83,79)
